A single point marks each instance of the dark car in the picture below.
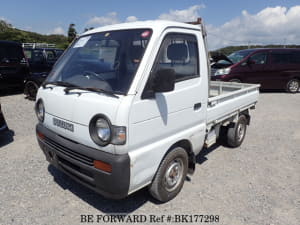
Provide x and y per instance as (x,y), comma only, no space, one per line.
(32,84)
(271,68)
(3,126)
(41,61)
(58,52)
(13,65)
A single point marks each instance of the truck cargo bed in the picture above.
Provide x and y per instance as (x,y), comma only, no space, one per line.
(228,98)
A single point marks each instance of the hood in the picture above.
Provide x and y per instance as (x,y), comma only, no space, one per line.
(217,57)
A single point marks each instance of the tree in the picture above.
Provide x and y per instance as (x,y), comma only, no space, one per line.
(4,26)
(72,32)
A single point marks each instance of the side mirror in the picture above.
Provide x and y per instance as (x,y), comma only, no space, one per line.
(250,62)
(164,80)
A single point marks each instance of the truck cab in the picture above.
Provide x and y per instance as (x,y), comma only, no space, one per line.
(130,105)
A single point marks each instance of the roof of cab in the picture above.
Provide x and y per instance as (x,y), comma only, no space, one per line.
(152,24)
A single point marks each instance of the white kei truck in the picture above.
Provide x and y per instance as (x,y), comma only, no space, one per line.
(131,105)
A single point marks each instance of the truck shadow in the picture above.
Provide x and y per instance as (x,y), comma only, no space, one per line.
(124,206)
(201,157)
(6,138)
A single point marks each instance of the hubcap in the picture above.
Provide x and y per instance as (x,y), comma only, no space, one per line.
(174,174)
(240,131)
(294,86)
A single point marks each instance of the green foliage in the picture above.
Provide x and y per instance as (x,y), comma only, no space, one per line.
(4,26)
(7,32)
(230,49)
(72,33)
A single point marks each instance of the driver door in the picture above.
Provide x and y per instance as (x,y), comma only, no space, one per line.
(255,68)
(158,120)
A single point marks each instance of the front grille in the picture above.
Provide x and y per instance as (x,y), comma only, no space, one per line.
(69,152)
(85,175)
(213,71)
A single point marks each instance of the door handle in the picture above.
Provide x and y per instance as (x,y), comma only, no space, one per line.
(197,106)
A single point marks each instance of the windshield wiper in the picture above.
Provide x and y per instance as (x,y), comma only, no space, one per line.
(58,83)
(100,90)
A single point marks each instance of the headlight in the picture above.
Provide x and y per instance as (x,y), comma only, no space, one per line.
(103,129)
(222,71)
(40,110)
(103,132)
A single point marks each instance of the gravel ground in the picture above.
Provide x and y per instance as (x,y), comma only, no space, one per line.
(256,184)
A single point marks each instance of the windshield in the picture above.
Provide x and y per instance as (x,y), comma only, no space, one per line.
(107,60)
(236,57)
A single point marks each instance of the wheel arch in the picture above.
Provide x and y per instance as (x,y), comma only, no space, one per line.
(187,146)
(26,82)
(295,77)
(247,115)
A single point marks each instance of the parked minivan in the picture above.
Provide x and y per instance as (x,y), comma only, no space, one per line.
(13,65)
(271,68)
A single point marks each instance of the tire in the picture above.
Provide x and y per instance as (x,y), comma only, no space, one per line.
(31,89)
(170,176)
(235,80)
(237,133)
(292,86)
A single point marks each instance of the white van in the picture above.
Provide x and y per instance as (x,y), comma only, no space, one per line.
(130,105)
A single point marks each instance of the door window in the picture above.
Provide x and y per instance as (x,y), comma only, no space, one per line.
(295,57)
(11,54)
(180,53)
(259,58)
(38,56)
(50,55)
(281,58)
(28,54)
(2,55)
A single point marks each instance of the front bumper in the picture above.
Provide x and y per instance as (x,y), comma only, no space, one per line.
(76,160)
(215,78)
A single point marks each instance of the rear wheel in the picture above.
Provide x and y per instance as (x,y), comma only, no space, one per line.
(170,176)
(235,80)
(293,85)
(31,89)
(236,133)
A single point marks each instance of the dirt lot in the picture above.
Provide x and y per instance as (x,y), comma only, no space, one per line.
(258,183)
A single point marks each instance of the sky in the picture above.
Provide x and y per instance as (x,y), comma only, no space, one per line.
(230,22)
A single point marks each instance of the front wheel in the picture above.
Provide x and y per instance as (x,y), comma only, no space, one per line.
(170,176)
(293,86)
(235,80)
(30,90)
